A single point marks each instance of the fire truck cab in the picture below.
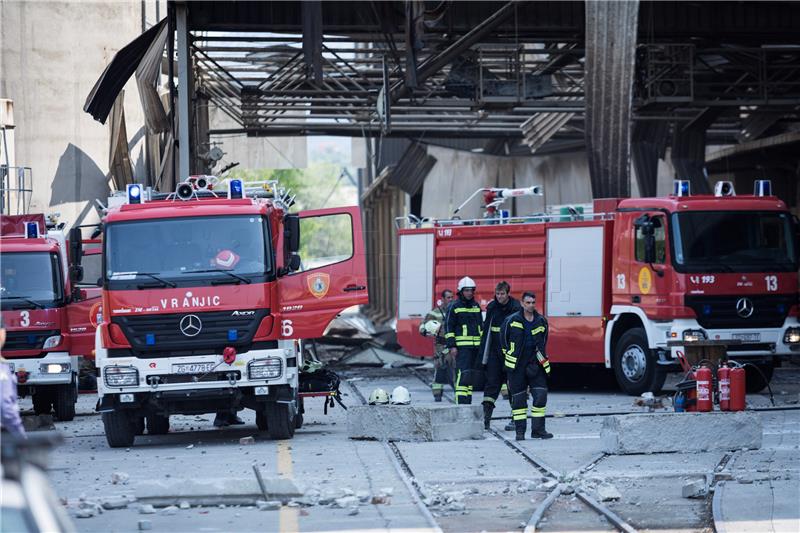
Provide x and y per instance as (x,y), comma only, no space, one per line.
(627,283)
(38,292)
(206,297)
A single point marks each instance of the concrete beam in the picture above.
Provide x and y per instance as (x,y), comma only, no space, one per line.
(680,432)
(409,423)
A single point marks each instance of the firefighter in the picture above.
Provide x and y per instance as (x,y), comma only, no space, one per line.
(433,325)
(498,309)
(463,337)
(524,342)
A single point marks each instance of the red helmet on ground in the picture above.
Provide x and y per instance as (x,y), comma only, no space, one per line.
(226,259)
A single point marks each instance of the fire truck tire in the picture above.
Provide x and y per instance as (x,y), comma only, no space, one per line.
(64,403)
(138,425)
(119,429)
(157,425)
(756,381)
(635,365)
(280,422)
(298,418)
(42,402)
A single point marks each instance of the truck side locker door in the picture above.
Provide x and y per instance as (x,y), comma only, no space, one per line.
(333,275)
(82,314)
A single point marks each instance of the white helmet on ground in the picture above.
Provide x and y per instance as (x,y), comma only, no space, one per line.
(378,397)
(466,283)
(401,396)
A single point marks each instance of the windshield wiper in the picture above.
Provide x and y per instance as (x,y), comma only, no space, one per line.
(164,283)
(228,272)
(27,299)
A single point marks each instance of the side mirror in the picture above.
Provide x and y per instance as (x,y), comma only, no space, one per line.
(99,282)
(75,246)
(294,263)
(76,273)
(291,233)
(645,224)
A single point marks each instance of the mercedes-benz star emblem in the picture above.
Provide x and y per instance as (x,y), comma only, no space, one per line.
(744,307)
(191,325)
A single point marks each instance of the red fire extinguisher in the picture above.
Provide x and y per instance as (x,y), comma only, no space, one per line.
(691,394)
(737,376)
(703,378)
(724,381)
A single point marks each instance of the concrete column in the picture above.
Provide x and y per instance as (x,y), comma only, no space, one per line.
(184,90)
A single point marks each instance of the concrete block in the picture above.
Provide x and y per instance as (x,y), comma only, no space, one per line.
(680,432)
(608,492)
(145,525)
(241,491)
(694,489)
(38,423)
(415,423)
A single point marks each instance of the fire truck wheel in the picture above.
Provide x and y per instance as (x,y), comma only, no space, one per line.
(754,380)
(119,430)
(157,425)
(64,404)
(635,365)
(298,418)
(42,402)
(138,425)
(280,422)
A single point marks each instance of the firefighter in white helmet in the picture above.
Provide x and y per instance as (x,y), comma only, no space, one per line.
(463,336)
(433,326)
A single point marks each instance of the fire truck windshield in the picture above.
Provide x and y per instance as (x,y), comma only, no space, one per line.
(734,241)
(30,280)
(186,251)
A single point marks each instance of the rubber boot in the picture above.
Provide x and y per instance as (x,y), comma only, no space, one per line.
(488,409)
(537,429)
(520,426)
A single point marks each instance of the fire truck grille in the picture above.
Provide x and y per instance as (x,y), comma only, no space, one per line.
(768,311)
(164,335)
(165,379)
(28,340)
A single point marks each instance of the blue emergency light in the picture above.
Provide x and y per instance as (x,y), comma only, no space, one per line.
(31,230)
(681,188)
(235,190)
(134,193)
(233,335)
(762,188)
(150,339)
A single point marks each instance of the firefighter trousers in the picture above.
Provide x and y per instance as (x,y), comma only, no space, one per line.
(442,375)
(532,377)
(465,361)
(495,377)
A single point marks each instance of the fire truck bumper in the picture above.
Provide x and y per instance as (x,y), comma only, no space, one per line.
(56,368)
(195,384)
(739,343)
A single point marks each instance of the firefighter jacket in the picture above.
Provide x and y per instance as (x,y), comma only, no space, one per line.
(463,324)
(436,314)
(496,313)
(525,342)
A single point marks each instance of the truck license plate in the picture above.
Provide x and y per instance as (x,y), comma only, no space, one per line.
(192,368)
(747,337)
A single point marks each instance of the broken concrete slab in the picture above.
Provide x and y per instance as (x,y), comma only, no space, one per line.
(378,357)
(680,432)
(607,492)
(213,491)
(415,423)
(694,489)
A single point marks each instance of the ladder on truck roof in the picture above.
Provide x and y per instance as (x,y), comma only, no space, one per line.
(555,213)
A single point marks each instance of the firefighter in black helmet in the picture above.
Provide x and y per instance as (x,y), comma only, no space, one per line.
(524,336)
(463,337)
(490,350)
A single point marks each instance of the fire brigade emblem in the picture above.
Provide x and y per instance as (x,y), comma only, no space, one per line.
(318,284)
(645,280)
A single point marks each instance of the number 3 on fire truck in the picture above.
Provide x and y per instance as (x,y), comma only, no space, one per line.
(25,319)
(772,283)
(286,328)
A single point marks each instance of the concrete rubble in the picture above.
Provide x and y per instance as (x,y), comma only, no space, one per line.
(213,491)
(694,489)
(415,423)
(607,492)
(680,432)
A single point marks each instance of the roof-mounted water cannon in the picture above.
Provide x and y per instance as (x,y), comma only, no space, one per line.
(185,191)
(724,188)
(681,188)
(494,197)
(762,188)
(203,182)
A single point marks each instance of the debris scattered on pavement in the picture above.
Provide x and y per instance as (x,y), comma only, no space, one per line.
(608,492)
(147,509)
(120,478)
(694,489)
(247,440)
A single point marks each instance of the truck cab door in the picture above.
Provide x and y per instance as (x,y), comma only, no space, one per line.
(332,274)
(82,313)
(649,275)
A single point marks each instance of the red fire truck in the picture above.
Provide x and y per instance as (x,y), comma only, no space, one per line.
(625,282)
(205,295)
(45,311)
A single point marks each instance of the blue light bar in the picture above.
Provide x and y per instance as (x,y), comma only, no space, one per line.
(150,339)
(134,193)
(762,188)
(681,188)
(233,335)
(235,190)
(31,230)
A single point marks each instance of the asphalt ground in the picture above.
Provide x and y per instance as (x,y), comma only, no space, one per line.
(490,484)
